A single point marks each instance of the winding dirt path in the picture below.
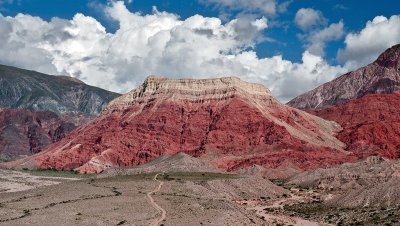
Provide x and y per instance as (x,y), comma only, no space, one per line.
(156,221)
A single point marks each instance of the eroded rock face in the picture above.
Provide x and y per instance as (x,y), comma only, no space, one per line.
(382,76)
(23,132)
(371,124)
(227,121)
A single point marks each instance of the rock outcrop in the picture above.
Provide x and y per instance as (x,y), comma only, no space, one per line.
(231,123)
(381,76)
(23,132)
(40,92)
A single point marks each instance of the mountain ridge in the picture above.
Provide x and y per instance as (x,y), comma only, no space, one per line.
(20,88)
(381,76)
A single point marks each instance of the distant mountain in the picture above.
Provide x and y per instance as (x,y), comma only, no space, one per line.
(365,103)
(40,92)
(23,132)
(382,76)
(229,122)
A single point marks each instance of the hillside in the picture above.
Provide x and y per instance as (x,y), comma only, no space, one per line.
(370,124)
(24,132)
(40,92)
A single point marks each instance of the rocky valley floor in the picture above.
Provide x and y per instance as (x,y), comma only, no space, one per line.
(173,198)
(186,198)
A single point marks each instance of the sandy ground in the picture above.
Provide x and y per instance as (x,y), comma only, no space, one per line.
(14,181)
(124,201)
(146,199)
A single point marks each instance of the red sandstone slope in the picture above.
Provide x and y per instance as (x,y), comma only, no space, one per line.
(381,76)
(231,123)
(371,124)
(23,132)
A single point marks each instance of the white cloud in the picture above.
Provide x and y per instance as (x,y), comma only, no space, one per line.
(316,33)
(307,18)
(284,6)
(365,46)
(158,43)
(266,7)
(316,40)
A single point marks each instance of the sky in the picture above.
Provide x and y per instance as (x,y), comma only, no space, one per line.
(290,46)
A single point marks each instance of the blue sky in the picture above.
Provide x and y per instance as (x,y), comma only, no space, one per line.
(330,31)
(354,13)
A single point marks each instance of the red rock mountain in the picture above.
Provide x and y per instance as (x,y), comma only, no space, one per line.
(23,132)
(371,124)
(229,122)
(365,103)
(382,76)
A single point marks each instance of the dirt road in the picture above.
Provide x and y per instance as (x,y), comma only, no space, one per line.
(156,221)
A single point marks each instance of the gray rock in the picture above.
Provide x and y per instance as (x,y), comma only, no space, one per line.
(40,92)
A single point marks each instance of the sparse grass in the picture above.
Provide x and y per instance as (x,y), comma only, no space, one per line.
(196,176)
(174,176)
(278,182)
(346,216)
(58,173)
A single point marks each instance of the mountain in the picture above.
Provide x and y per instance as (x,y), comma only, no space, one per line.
(371,124)
(23,132)
(381,76)
(365,103)
(40,92)
(230,123)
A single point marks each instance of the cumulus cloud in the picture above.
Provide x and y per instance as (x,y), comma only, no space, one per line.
(284,6)
(158,43)
(316,32)
(307,18)
(317,40)
(364,47)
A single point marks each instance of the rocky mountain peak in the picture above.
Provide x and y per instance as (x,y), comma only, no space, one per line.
(390,58)
(381,76)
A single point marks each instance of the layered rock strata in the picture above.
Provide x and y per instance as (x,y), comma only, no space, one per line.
(231,123)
